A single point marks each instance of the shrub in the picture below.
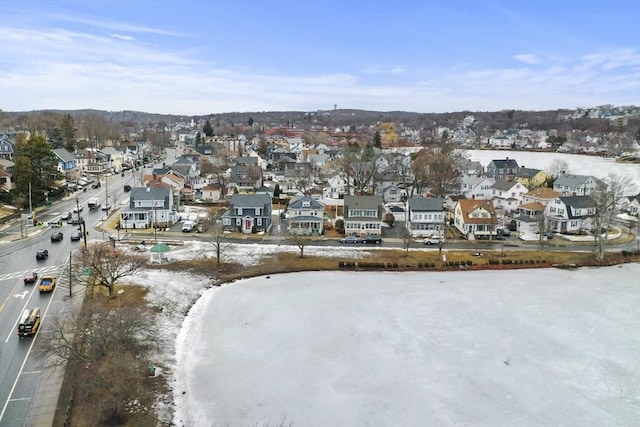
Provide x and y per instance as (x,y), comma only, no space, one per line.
(469,263)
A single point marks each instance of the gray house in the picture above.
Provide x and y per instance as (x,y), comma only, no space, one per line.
(248,213)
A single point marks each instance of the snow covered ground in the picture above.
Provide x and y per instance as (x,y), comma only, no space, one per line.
(384,349)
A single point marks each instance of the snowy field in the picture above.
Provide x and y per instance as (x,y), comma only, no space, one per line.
(494,348)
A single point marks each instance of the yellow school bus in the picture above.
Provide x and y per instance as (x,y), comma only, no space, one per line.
(29,322)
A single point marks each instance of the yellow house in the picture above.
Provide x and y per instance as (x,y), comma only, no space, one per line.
(531,178)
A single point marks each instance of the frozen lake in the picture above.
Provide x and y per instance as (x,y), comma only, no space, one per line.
(487,348)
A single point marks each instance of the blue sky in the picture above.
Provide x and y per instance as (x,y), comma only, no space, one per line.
(202,57)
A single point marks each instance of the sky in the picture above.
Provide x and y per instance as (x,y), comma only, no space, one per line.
(204,57)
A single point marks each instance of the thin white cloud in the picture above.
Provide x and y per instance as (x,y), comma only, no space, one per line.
(114,25)
(528,58)
(397,70)
(122,37)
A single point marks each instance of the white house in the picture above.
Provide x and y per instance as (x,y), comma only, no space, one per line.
(477,187)
(475,218)
(362,215)
(570,214)
(336,187)
(306,217)
(425,216)
(507,195)
(576,185)
(148,207)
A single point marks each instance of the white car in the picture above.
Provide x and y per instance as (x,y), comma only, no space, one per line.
(434,240)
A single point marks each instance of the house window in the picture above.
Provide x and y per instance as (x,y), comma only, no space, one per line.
(258,221)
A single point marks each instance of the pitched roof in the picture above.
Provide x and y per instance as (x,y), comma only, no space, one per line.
(298,203)
(569,180)
(432,204)
(64,155)
(543,193)
(527,172)
(504,185)
(504,163)
(250,200)
(470,205)
(578,202)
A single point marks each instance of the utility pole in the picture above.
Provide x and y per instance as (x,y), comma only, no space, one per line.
(81,227)
(70,285)
(30,205)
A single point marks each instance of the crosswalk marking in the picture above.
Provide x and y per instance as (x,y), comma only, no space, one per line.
(40,271)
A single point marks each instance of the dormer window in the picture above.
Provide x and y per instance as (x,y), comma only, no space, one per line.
(306,204)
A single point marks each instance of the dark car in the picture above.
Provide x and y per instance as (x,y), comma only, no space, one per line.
(75,220)
(76,235)
(350,239)
(30,277)
(56,237)
(372,238)
(127,188)
(42,254)
(95,184)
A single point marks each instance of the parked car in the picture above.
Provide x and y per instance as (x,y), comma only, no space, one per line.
(350,239)
(127,188)
(95,184)
(57,237)
(503,232)
(76,235)
(372,238)
(434,240)
(42,254)
(30,277)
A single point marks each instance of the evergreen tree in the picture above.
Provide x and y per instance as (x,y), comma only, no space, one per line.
(55,138)
(208,129)
(377,140)
(68,130)
(250,121)
(198,139)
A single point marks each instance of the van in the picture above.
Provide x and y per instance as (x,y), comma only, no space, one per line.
(55,222)
(188,226)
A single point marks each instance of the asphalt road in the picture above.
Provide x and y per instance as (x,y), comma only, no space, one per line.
(29,390)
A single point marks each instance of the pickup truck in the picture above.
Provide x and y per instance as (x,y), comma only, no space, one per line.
(47,283)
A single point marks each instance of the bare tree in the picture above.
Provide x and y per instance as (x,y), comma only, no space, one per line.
(406,239)
(104,347)
(557,168)
(607,200)
(439,169)
(106,265)
(218,241)
(300,241)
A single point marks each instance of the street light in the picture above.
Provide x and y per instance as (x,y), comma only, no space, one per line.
(155,221)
